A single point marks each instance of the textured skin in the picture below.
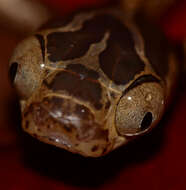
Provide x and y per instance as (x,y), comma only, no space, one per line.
(93,83)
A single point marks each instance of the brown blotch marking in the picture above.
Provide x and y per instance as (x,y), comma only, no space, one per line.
(87,90)
(95,148)
(142,79)
(119,61)
(157,46)
(71,45)
(82,71)
(42,44)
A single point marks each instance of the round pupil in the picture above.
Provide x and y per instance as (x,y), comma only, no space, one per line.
(147,120)
(13,71)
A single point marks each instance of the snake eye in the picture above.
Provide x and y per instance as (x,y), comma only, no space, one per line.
(139,109)
(26,71)
(12,71)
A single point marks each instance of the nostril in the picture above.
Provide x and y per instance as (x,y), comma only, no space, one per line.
(13,71)
(146,122)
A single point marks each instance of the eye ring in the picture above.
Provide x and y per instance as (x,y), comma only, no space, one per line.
(12,71)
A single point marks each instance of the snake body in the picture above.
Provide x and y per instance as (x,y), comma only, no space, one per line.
(91,83)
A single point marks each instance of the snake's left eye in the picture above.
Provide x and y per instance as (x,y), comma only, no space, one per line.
(26,71)
(12,71)
(139,109)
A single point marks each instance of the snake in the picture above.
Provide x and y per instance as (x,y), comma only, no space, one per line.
(94,81)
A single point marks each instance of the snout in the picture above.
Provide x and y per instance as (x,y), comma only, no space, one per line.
(66,124)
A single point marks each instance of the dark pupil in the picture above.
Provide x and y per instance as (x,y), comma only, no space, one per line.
(147,120)
(13,71)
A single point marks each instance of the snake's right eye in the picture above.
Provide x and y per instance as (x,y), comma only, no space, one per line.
(12,71)
(140,109)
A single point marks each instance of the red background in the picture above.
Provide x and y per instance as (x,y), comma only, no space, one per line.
(156,161)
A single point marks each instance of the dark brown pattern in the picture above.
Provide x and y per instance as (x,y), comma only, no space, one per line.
(82,88)
(70,45)
(119,61)
(157,46)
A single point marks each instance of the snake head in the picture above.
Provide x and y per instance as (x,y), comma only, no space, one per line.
(91,85)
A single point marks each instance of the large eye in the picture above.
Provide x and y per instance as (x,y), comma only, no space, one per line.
(139,109)
(25,70)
